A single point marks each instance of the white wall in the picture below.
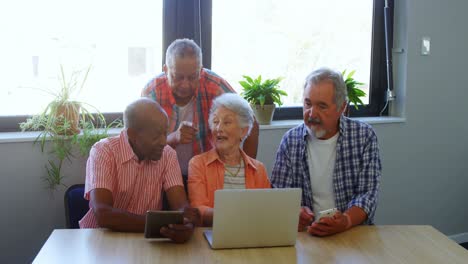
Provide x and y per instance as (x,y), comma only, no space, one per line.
(425,164)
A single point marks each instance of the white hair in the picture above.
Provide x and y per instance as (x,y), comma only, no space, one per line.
(238,105)
(181,48)
(326,74)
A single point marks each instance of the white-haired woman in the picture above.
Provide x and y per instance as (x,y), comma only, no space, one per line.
(225,166)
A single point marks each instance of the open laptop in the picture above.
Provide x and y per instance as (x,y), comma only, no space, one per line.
(255,218)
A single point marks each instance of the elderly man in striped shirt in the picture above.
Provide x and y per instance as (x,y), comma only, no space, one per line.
(335,160)
(127,174)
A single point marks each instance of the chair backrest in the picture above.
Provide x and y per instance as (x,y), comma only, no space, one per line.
(76,206)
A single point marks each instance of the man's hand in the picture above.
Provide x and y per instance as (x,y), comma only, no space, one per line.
(183,135)
(330,225)
(193,215)
(306,216)
(178,233)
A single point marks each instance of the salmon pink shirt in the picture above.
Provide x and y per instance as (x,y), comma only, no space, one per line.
(135,186)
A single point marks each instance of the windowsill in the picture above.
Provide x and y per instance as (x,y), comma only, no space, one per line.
(30,136)
(286,124)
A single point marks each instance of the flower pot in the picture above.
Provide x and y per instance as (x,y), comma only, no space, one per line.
(66,113)
(264,114)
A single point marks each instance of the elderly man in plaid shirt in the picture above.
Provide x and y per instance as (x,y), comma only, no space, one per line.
(333,159)
(186,91)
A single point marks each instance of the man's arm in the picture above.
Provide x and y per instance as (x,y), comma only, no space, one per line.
(251,142)
(178,201)
(177,198)
(369,179)
(109,217)
(281,176)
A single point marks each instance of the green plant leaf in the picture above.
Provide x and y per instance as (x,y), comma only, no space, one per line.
(248,78)
(257,92)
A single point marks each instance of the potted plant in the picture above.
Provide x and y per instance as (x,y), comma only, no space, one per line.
(60,123)
(262,96)
(354,93)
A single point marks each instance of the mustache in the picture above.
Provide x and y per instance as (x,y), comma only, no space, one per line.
(314,121)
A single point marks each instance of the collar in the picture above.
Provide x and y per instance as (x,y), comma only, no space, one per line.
(127,153)
(343,124)
(213,156)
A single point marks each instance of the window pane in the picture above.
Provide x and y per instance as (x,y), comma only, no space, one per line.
(121,40)
(290,39)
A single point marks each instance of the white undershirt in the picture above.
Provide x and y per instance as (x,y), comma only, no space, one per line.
(185,151)
(321,160)
(234,176)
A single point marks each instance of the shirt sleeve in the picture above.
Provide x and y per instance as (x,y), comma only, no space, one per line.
(172,175)
(369,179)
(226,87)
(149,90)
(100,169)
(281,175)
(264,181)
(197,188)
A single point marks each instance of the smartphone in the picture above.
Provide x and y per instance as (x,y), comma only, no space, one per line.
(326,213)
(157,219)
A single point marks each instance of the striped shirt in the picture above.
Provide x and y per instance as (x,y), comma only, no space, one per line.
(234,176)
(135,186)
(357,170)
(211,85)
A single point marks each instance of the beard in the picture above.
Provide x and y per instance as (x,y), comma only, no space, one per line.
(317,132)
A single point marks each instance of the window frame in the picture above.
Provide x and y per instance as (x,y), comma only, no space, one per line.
(378,75)
(193,19)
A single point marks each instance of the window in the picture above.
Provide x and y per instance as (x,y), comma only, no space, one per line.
(121,40)
(125,43)
(289,39)
(276,43)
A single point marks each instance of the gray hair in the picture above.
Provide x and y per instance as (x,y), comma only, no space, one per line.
(326,74)
(238,105)
(181,48)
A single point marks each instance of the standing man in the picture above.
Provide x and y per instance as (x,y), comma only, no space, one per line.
(335,160)
(186,90)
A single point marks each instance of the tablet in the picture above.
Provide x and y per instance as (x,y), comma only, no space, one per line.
(157,219)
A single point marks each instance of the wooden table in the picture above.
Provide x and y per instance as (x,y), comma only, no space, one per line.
(363,244)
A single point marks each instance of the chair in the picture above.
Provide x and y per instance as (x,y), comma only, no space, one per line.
(76,206)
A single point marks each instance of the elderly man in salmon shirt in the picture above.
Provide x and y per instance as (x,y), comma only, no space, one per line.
(126,175)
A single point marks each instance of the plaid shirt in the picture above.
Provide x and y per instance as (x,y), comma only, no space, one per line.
(211,85)
(357,169)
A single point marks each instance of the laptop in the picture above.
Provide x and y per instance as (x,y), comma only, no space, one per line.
(255,218)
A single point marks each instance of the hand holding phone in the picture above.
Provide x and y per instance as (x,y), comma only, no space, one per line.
(325,213)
